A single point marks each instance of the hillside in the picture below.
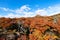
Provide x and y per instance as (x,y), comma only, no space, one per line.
(40,24)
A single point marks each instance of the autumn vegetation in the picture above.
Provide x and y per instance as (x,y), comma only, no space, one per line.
(40,27)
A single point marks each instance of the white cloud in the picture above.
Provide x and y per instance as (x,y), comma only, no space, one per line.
(25,11)
(10,15)
(0,15)
(51,10)
(6,9)
(41,12)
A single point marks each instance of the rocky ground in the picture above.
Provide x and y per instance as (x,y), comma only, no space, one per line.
(31,28)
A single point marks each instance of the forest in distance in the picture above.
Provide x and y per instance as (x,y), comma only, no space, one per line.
(30,28)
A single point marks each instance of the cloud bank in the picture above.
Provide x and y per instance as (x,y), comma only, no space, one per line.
(25,11)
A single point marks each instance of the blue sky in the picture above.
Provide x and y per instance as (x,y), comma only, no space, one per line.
(28,8)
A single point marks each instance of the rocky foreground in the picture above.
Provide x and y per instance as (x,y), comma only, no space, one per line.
(33,28)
